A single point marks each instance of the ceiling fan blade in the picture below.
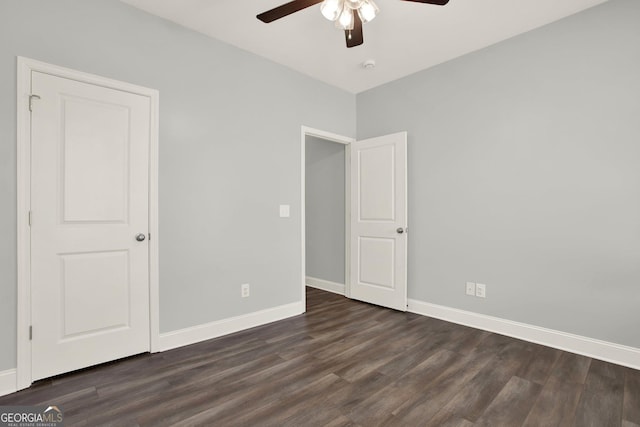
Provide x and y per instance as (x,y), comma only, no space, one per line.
(286,9)
(354,37)
(436,2)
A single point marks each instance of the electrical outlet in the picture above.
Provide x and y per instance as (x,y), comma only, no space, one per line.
(481,290)
(471,288)
(245,290)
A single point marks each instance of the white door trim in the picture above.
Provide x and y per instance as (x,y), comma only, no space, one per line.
(25,67)
(307,131)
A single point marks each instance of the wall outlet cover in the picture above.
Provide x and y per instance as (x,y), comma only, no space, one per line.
(481,290)
(471,288)
(245,290)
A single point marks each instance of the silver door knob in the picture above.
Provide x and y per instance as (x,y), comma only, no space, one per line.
(140,237)
(400,230)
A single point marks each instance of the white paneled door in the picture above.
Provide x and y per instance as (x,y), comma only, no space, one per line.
(379,221)
(89,232)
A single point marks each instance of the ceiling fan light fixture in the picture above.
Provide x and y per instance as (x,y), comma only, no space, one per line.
(354,4)
(368,11)
(346,19)
(331,9)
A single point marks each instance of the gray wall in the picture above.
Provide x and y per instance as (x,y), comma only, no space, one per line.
(524,174)
(229,152)
(325,210)
(523,164)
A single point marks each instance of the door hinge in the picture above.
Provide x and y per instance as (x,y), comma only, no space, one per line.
(31,98)
(30,333)
(149,236)
(29,218)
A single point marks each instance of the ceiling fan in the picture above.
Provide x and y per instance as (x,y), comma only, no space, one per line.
(349,15)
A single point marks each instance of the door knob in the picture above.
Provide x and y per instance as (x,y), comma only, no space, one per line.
(140,237)
(400,230)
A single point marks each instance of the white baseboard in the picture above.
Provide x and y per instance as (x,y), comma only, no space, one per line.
(602,350)
(194,334)
(325,285)
(8,382)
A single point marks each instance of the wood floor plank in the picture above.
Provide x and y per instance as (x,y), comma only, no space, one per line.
(347,363)
(268,402)
(631,407)
(320,416)
(601,402)
(571,368)
(476,395)
(430,369)
(310,403)
(512,405)
(467,342)
(539,368)
(250,392)
(355,393)
(407,360)
(556,405)
(429,400)
(457,422)
(186,396)
(341,421)
(495,344)
(377,407)
(269,417)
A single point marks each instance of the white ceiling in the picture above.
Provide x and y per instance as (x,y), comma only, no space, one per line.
(405,37)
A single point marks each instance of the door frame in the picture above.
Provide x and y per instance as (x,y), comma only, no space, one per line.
(25,67)
(346,141)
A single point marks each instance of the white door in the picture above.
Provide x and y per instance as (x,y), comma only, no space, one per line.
(90,192)
(379,221)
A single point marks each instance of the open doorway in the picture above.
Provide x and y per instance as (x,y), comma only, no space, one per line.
(354,216)
(325,172)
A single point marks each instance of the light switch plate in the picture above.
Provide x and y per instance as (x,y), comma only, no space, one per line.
(285,211)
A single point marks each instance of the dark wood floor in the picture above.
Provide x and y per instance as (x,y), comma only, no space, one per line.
(346,363)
